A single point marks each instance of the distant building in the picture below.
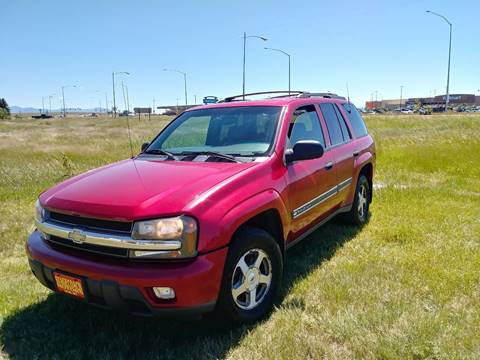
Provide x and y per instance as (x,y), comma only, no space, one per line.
(434,102)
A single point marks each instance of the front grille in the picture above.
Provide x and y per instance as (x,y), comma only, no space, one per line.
(91,223)
(99,249)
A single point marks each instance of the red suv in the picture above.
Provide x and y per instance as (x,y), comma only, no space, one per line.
(202,217)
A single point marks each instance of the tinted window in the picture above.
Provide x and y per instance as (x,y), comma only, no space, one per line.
(358,125)
(341,120)
(305,125)
(333,126)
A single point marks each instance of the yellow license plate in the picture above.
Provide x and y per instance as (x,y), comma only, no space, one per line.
(69,285)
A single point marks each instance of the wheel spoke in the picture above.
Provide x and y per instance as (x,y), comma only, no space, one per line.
(236,292)
(242,265)
(252,298)
(259,260)
(265,279)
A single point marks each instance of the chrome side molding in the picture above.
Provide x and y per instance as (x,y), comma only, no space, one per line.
(321,198)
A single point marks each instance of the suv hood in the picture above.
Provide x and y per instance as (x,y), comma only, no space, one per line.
(138,188)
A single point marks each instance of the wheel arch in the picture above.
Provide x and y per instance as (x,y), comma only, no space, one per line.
(270,221)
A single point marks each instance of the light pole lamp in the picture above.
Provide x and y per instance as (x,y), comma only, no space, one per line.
(244,54)
(184,82)
(113,88)
(63,98)
(447,97)
(287,54)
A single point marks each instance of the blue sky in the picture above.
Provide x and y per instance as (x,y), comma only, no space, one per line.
(372,45)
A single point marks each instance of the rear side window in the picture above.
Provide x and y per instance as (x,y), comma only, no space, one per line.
(356,120)
(333,124)
(343,125)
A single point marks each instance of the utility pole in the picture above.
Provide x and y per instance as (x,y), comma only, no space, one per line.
(106,103)
(43,104)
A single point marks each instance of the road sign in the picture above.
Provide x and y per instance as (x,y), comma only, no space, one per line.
(139,110)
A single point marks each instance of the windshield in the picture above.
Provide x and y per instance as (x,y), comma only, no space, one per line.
(238,131)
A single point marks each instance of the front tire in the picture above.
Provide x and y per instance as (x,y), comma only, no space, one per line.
(252,276)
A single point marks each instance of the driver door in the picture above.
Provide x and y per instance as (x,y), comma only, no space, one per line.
(311,183)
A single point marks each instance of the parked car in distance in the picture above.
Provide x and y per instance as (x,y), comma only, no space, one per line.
(202,218)
(210,100)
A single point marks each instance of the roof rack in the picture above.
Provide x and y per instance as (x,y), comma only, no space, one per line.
(286,92)
(327,95)
(297,94)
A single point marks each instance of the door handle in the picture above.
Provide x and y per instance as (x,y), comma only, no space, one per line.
(329,165)
(356,153)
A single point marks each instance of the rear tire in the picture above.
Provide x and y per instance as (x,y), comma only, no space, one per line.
(358,214)
(251,277)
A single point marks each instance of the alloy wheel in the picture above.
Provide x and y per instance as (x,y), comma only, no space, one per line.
(251,280)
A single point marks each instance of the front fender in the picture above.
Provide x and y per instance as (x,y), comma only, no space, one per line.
(218,232)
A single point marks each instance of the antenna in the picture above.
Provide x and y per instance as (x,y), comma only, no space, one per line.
(348,99)
(128,122)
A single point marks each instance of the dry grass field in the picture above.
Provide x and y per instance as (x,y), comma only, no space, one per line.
(405,286)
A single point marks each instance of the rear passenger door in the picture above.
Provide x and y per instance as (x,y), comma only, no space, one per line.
(310,182)
(341,148)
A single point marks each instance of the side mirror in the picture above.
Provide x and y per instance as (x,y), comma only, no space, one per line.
(304,150)
(144,146)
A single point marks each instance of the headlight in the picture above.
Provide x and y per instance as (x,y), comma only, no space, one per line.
(180,228)
(39,212)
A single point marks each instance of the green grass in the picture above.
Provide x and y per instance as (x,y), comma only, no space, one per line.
(405,286)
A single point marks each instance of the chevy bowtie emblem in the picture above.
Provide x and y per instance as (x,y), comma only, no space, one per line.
(77,236)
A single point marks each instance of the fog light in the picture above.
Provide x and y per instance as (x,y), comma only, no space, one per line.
(164,293)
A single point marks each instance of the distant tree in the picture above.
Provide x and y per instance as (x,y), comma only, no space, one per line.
(4,109)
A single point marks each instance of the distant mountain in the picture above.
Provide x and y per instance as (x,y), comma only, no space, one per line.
(19,109)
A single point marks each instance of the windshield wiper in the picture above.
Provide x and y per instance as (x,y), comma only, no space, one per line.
(161,152)
(212,153)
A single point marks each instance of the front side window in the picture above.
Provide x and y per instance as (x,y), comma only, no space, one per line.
(305,125)
(239,131)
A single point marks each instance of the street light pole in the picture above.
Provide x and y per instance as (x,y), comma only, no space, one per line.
(63,98)
(244,54)
(285,53)
(184,81)
(113,88)
(50,102)
(447,97)
(401,93)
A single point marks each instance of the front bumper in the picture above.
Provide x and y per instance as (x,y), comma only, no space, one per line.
(126,286)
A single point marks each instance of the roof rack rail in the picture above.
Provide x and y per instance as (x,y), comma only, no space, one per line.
(327,95)
(242,96)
